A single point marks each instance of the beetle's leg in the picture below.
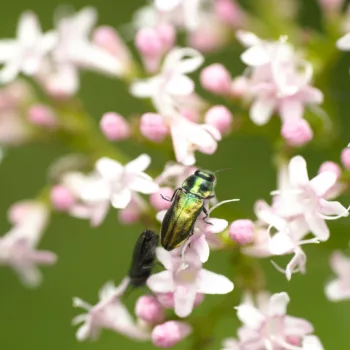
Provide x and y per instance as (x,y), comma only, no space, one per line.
(206,215)
(172,197)
(211,196)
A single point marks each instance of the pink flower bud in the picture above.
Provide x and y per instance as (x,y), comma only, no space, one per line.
(167,35)
(228,11)
(242,231)
(108,39)
(61,198)
(216,78)
(189,114)
(239,87)
(149,42)
(345,158)
(170,333)
(158,202)
(297,132)
(114,126)
(149,309)
(129,215)
(219,117)
(330,167)
(153,127)
(42,116)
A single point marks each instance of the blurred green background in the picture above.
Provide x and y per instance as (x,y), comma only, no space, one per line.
(40,319)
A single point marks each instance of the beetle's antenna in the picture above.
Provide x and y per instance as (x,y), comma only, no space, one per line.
(218,171)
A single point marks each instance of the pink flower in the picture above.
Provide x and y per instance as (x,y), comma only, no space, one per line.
(345,158)
(153,127)
(267,326)
(242,231)
(42,116)
(62,198)
(220,118)
(27,52)
(186,281)
(339,288)
(172,83)
(17,247)
(168,334)
(108,313)
(158,202)
(297,132)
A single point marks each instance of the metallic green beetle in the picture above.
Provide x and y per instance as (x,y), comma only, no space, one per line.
(187,204)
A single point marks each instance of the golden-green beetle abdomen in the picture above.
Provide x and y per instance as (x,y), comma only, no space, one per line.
(180,218)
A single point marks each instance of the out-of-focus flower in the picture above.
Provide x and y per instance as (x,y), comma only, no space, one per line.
(279,79)
(154,127)
(216,78)
(220,118)
(75,50)
(114,126)
(345,158)
(339,289)
(158,202)
(297,132)
(133,211)
(27,52)
(242,231)
(168,334)
(42,116)
(108,313)
(174,174)
(18,246)
(172,82)
(267,326)
(186,281)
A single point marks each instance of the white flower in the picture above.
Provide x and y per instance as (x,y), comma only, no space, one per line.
(186,281)
(306,198)
(17,247)
(115,182)
(172,83)
(339,288)
(267,326)
(75,50)
(108,313)
(27,52)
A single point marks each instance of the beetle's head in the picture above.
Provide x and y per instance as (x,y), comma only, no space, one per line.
(201,183)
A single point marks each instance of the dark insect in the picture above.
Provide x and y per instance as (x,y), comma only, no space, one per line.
(187,204)
(143,258)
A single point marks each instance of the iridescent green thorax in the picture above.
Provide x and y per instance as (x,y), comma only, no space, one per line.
(200,184)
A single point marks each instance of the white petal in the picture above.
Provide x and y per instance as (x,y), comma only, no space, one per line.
(298,171)
(337,290)
(143,185)
(340,264)
(281,244)
(29,275)
(7,49)
(140,164)
(160,215)
(247,38)
(212,283)
(161,282)
(109,169)
(344,42)
(297,263)
(79,319)
(180,85)
(28,30)
(166,5)
(250,316)
(218,225)
(261,110)
(142,88)
(64,81)
(291,109)
(266,214)
(164,257)
(278,304)
(9,72)
(333,208)
(255,56)
(121,199)
(295,326)
(84,21)
(323,182)
(201,247)
(184,298)
(98,213)
(311,342)
(317,225)
(177,62)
